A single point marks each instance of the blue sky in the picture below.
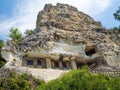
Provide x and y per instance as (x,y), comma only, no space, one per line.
(23,13)
(6,8)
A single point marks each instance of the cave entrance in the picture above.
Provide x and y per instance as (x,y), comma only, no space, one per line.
(90,50)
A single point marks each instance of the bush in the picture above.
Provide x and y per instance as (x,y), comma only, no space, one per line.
(19,82)
(82,79)
(2,61)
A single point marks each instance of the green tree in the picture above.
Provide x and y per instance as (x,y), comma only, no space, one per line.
(28,32)
(117,14)
(1,43)
(2,61)
(15,35)
(117,17)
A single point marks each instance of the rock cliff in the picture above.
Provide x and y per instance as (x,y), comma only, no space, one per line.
(64,33)
(114,35)
(63,30)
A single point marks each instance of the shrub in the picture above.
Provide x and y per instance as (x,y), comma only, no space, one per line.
(19,82)
(2,63)
(82,79)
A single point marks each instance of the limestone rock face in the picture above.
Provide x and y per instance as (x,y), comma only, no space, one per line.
(114,36)
(64,33)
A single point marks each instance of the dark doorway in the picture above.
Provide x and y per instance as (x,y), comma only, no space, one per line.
(56,65)
(64,65)
(39,63)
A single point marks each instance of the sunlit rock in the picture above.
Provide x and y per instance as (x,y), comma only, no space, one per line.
(64,38)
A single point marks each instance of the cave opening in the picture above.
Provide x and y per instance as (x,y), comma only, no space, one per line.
(89,51)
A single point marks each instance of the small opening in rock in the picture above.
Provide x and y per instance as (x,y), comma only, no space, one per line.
(48,10)
(90,50)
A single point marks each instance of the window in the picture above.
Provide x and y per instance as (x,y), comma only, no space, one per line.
(64,66)
(56,65)
(29,62)
(39,63)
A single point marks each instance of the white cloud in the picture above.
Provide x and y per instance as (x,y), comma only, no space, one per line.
(26,12)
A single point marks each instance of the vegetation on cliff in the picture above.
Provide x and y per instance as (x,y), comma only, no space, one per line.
(1,43)
(15,35)
(82,79)
(117,17)
(15,81)
(28,32)
(2,61)
(117,14)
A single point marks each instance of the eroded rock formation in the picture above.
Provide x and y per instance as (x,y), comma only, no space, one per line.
(114,35)
(65,37)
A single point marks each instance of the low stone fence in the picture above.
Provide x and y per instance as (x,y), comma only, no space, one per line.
(105,71)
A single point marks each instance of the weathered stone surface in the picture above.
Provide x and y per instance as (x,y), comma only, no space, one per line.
(64,33)
(114,36)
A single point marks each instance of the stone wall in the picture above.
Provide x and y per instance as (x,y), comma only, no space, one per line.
(48,63)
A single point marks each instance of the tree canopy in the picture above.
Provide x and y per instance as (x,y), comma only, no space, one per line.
(1,43)
(117,14)
(117,17)
(15,35)
(28,32)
